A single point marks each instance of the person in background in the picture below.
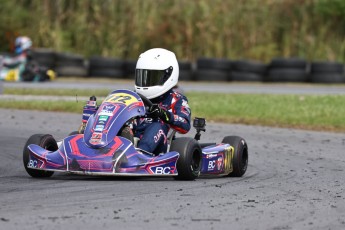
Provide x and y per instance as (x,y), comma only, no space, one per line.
(22,67)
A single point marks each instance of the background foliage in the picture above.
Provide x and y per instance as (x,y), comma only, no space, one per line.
(234,29)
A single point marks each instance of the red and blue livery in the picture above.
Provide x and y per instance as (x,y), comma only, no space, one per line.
(107,147)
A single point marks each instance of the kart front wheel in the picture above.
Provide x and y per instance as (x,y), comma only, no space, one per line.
(189,162)
(240,158)
(45,141)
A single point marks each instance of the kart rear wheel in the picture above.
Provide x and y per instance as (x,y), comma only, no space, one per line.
(240,159)
(45,141)
(189,163)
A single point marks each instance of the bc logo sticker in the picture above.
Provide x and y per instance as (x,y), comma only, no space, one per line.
(32,164)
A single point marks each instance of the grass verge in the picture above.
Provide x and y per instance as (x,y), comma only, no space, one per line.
(53,92)
(323,112)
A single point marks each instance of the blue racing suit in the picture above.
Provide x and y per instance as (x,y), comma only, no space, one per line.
(153,132)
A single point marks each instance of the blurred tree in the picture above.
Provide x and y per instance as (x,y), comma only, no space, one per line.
(313,29)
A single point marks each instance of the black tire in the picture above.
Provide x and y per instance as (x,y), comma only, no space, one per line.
(44,57)
(327,78)
(106,62)
(45,141)
(249,67)
(213,63)
(294,63)
(185,71)
(326,67)
(189,162)
(70,65)
(109,73)
(77,71)
(130,66)
(185,75)
(68,59)
(211,75)
(245,76)
(287,75)
(240,160)
(185,65)
(106,67)
(31,70)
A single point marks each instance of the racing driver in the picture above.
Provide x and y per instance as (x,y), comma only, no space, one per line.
(156,75)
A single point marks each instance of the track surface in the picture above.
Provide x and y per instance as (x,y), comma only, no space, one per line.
(295,180)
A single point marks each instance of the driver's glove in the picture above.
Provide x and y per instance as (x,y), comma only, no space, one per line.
(155,111)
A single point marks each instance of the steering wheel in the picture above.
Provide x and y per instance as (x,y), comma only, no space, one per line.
(146,101)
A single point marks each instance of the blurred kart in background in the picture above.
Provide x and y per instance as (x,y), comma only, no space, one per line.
(21,68)
(107,148)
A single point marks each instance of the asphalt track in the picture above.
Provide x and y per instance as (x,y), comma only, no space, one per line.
(295,180)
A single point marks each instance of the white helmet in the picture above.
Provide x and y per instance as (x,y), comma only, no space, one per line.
(22,43)
(156,72)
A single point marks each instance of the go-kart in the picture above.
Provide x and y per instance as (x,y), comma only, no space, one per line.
(105,148)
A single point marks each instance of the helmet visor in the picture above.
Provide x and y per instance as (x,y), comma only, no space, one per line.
(147,77)
(18,49)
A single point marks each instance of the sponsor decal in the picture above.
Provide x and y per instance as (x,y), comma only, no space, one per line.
(109,107)
(96,138)
(211,165)
(107,113)
(185,104)
(185,108)
(211,155)
(164,170)
(147,120)
(32,164)
(219,163)
(99,128)
(180,119)
(107,110)
(103,118)
(159,135)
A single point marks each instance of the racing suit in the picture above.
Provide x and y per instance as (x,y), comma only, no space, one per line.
(153,131)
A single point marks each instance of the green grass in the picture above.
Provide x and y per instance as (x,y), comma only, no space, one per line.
(56,106)
(324,112)
(64,92)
